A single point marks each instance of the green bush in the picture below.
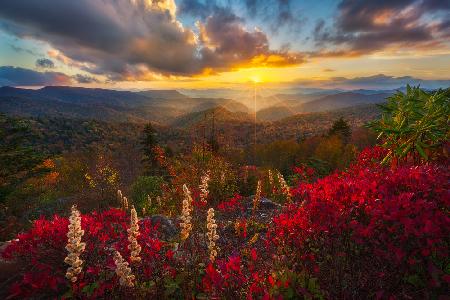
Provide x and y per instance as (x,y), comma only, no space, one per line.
(414,126)
(143,187)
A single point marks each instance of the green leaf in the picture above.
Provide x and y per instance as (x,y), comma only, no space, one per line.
(90,288)
(421,152)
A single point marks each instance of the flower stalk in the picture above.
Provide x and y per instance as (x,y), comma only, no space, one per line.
(284,188)
(212,234)
(204,187)
(133,233)
(186,225)
(74,245)
(126,278)
(257,197)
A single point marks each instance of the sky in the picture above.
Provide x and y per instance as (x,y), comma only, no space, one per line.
(194,44)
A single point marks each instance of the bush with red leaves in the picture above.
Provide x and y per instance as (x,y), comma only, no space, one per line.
(368,232)
(40,254)
(371,231)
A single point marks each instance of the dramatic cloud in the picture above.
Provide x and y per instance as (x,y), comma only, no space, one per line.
(137,39)
(12,76)
(84,79)
(277,14)
(226,40)
(379,81)
(364,26)
(45,63)
(197,8)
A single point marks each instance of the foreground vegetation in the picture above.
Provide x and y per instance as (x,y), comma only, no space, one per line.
(200,225)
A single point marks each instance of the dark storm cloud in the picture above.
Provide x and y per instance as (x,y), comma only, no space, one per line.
(131,40)
(364,26)
(45,63)
(13,76)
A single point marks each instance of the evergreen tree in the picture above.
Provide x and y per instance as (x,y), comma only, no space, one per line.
(342,129)
(213,143)
(149,142)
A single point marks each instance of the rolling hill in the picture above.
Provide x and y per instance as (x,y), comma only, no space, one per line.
(298,103)
(341,100)
(167,107)
(161,106)
(220,114)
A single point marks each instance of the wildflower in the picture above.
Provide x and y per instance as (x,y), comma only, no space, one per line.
(186,225)
(133,233)
(126,278)
(74,245)
(257,197)
(204,187)
(123,201)
(270,179)
(212,234)
(284,187)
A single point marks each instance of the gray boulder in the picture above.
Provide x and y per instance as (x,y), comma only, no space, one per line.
(165,225)
(264,204)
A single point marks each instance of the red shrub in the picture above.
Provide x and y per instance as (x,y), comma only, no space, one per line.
(233,205)
(371,231)
(40,253)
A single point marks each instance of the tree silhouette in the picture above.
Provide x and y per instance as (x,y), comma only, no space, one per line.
(342,129)
(149,142)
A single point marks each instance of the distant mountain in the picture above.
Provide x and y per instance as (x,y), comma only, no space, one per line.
(160,106)
(315,123)
(341,100)
(162,94)
(43,106)
(168,106)
(221,115)
(207,103)
(69,102)
(274,113)
(292,104)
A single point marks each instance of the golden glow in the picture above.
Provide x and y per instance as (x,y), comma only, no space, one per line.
(313,72)
(255,79)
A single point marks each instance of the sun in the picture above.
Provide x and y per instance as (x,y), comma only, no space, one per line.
(255,78)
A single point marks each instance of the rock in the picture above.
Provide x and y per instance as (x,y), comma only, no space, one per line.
(264,204)
(165,226)
(268,204)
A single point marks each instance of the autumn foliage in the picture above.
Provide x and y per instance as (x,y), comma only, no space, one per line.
(367,232)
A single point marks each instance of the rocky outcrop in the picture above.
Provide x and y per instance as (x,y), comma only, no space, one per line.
(165,225)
